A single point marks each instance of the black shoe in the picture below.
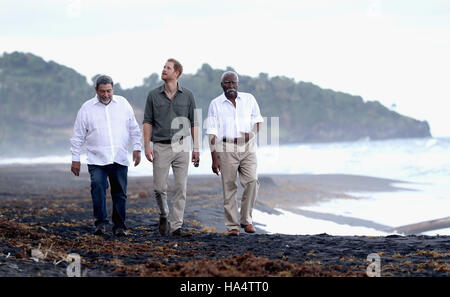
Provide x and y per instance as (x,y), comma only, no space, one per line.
(100,230)
(163,226)
(119,232)
(180,233)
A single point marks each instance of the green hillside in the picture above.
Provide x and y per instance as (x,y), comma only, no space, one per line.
(39,101)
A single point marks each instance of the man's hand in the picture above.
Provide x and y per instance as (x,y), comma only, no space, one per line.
(248,136)
(215,163)
(75,168)
(136,157)
(195,158)
(149,153)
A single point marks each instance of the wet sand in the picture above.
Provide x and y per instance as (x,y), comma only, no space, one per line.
(45,207)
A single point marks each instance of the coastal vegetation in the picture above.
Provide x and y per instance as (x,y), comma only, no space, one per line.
(39,101)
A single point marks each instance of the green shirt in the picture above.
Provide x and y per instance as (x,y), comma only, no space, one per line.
(160,112)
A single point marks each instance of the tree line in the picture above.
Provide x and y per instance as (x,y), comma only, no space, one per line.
(39,101)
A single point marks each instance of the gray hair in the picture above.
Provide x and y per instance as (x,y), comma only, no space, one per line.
(229,72)
(104,80)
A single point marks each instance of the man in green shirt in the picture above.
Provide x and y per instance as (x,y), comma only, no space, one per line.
(168,108)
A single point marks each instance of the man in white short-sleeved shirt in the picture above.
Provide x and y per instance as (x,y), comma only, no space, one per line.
(233,121)
(106,124)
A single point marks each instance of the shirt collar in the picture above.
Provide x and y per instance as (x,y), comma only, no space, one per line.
(224,98)
(161,88)
(99,102)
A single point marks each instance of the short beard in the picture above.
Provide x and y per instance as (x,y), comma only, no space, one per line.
(105,101)
(232,94)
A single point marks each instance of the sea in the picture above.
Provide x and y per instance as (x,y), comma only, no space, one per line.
(421,164)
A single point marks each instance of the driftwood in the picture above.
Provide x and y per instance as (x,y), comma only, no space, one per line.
(418,228)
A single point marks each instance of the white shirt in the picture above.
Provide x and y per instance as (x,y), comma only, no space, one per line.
(106,130)
(225,120)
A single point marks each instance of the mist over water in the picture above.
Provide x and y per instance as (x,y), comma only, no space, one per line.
(421,160)
(424,164)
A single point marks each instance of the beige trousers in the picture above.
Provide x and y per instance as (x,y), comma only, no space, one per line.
(166,156)
(240,158)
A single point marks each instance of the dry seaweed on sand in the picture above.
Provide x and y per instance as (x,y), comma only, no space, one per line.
(39,231)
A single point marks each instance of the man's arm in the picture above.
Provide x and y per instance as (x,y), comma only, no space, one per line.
(256,128)
(147,134)
(253,133)
(255,121)
(77,141)
(192,116)
(196,150)
(212,129)
(135,135)
(147,127)
(214,156)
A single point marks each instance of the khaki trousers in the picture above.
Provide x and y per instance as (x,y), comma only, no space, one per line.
(240,158)
(166,156)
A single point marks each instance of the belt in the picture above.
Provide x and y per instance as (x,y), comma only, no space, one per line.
(169,141)
(234,140)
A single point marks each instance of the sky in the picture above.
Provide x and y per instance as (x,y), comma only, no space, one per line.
(395,52)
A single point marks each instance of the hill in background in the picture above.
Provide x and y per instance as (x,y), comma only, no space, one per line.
(39,101)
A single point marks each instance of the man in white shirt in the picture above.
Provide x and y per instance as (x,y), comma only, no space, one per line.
(106,124)
(232,124)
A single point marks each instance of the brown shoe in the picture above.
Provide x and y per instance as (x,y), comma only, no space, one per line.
(233,232)
(248,228)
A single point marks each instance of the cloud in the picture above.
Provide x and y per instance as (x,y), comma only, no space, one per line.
(389,57)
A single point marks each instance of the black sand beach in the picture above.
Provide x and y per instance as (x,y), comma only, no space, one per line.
(46,208)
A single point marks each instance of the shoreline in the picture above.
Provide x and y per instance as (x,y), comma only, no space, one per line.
(287,192)
(46,207)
